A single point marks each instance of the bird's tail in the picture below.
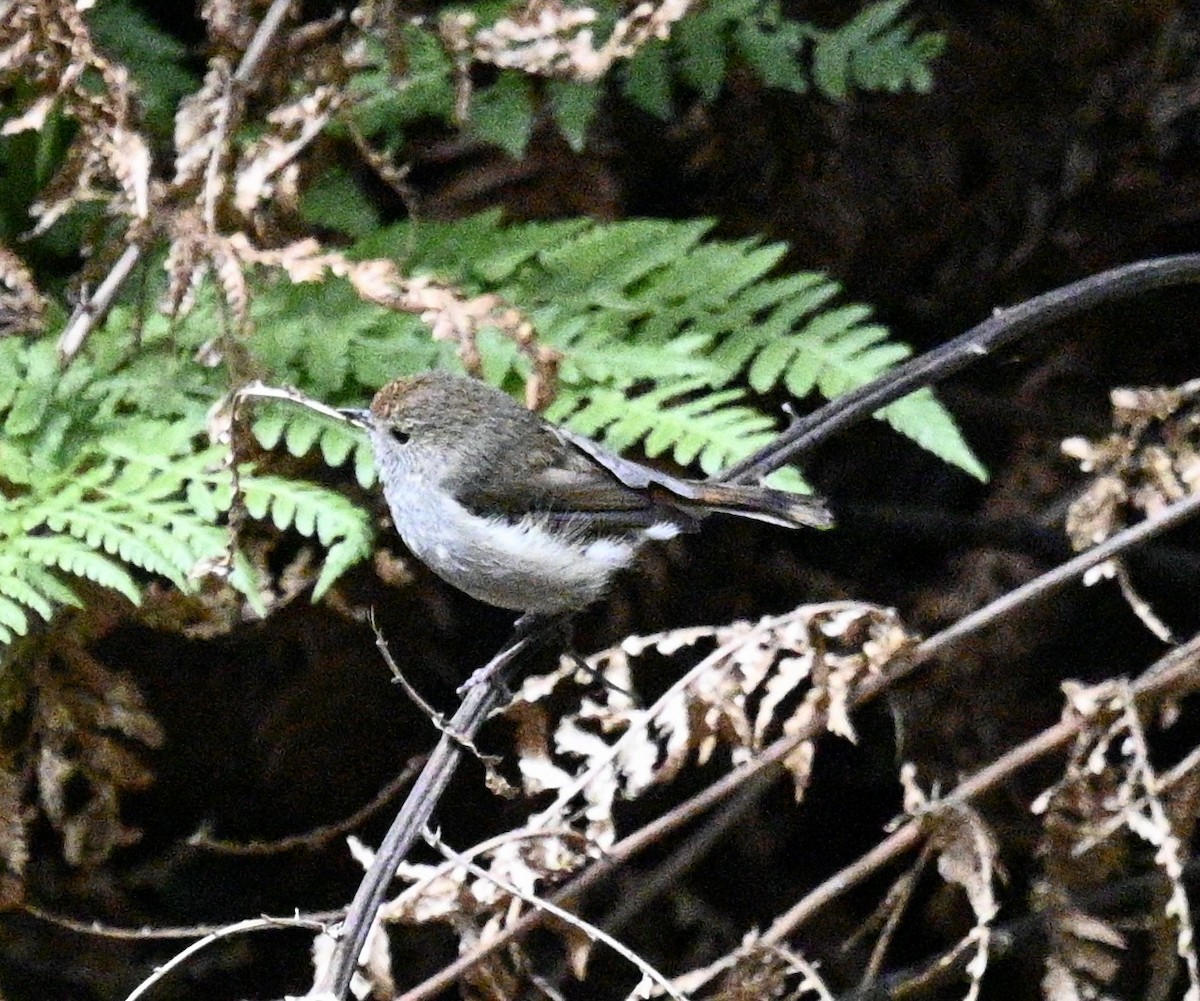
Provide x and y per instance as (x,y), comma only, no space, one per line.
(777,507)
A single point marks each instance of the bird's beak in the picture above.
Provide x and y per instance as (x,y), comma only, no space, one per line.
(357,416)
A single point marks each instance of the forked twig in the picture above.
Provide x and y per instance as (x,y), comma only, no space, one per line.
(437,719)
(414,814)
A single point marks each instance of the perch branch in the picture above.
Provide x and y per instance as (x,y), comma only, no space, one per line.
(414,814)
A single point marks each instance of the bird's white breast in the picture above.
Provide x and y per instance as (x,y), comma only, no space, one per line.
(517,564)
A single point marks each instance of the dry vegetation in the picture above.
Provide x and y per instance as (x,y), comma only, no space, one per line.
(946,750)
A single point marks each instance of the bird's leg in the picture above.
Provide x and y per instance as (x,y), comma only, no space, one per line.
(533,629)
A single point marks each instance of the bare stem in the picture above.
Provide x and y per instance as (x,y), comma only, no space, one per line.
(418,807)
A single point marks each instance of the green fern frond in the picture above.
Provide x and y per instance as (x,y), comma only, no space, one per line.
(301,429)
(26,586)
(603,266)
(655,309)
(879,49)
(875,51)
(687,421)
(13,620)
(920,417)
(97,489)
(340,526)
(76,558)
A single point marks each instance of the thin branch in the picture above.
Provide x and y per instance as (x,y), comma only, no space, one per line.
(254,924)
(486,847)
(490,762)
(1003,327)
(668,874)
(95,307)
(414,814)
(152,934)
(897,903)
(318,836)
(225,120)
(264,35)
(1127,539)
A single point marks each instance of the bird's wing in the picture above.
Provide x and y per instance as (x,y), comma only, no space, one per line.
(776,507)
(632,474)
(561,475)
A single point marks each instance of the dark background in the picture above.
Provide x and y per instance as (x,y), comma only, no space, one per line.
(1060,139)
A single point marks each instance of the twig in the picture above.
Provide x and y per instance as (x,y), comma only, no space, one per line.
(260,391)
(264,35)
(315,838)
(253,924)
(1129,538)
(225,120)
(669,873)
(1004,326)
(489,761)
(545,906)
(93,309)
(415,813)
(898,899)
(436,718)
(492,844)
(150,933)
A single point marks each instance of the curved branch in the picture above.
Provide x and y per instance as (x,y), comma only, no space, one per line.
(1004,326)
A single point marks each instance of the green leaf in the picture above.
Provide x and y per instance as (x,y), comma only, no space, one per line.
(335,201)
(771,44)
(12,619)
(647,80)
(703,44)
(81,561)
(315,512)
(503,113)
(573,106)
(924,420)
(15,464)
(34,396)
(875,51)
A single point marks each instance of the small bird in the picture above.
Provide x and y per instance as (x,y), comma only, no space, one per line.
(522,514)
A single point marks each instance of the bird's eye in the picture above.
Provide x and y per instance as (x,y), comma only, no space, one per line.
(399,436)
